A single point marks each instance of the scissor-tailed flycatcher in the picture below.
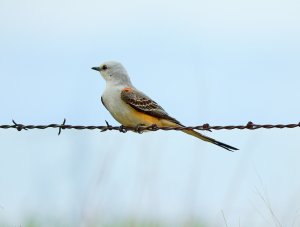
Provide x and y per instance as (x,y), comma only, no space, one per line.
(131,107)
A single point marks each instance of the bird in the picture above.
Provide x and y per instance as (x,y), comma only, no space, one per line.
(132,108)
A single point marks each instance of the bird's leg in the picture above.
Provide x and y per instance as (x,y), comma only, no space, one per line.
(122,129)
(139,128)
(153,127)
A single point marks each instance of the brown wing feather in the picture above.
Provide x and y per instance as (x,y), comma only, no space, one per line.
(143,103)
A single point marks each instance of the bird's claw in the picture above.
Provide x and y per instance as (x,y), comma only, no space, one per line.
(139,128)
(122,129)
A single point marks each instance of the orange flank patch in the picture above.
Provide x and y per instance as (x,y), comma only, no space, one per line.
(127,89)
(144,119)
(140,118)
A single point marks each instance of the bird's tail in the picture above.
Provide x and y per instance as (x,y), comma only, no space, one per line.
(210,140)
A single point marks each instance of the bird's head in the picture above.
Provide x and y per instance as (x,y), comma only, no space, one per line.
(113,72)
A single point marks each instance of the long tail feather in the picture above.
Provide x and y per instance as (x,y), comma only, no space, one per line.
(210,140)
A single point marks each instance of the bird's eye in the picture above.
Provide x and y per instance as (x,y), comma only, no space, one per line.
(104,67)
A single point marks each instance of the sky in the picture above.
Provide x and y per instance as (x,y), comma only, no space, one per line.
(216,62)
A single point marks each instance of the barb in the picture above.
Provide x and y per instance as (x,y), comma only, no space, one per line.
(141,129)
(62,126)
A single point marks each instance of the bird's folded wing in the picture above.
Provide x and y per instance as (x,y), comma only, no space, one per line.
(142,103)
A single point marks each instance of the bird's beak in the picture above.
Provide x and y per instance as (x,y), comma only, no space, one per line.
(96,68)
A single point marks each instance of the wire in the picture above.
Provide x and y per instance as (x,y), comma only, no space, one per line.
(140,128)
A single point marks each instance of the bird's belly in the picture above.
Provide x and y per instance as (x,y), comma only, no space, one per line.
(128,116)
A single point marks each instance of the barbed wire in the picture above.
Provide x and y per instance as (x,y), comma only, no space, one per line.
(250,125)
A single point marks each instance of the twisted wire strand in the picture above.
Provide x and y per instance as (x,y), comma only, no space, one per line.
(140,129)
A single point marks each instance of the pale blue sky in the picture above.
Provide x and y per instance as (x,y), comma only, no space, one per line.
(217,62)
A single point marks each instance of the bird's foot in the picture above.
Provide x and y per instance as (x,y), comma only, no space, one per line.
(122,129)
(139,128)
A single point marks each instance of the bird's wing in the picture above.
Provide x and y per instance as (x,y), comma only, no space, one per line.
(143,103)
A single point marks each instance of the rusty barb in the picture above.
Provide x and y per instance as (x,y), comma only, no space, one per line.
(141,128)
